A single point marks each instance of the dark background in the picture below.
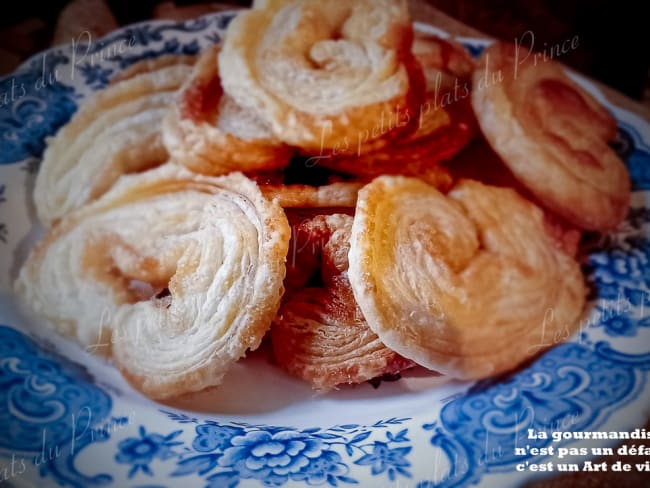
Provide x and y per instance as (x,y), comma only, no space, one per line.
(614,40)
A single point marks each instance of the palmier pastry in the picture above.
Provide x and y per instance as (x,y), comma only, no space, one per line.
(209,133)
(469,284)
(115,131)
(180,273)
(324,73)
(319,334)
(553,135)
(445,121)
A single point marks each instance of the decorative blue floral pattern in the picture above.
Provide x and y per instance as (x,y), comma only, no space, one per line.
(622,325)
(571,388)
(619,273)
(276,455)
(384,459)
(96,76)
(271,457)
(51,409)
(141,451)
(40,104)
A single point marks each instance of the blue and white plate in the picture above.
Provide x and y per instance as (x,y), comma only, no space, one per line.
(67,418)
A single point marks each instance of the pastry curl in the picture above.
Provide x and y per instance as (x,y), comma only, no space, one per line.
(445,121)
(469,284)
(181,274)
(115,131)
(553,135)
(319,334)
(209,133)
(323,73)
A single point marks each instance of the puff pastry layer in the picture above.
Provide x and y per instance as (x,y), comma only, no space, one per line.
(209,133)
(322,73)
(181,274)
(469,284)
(444,122)
(320,334)
(339,194)
(553,135)
(115,131)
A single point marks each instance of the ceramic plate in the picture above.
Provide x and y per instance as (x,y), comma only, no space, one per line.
(68,418)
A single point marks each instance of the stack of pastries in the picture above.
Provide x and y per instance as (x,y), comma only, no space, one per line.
(331,182)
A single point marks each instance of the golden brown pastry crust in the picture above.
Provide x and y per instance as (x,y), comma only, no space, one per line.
(215,244)
(479,162)
(321,337)
(115,131)
(469,284)
(319,334)
(444,122)
(340,194)
(209,133)
(553,135)
(323,73)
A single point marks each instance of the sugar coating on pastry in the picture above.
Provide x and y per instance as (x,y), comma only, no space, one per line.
(470,284)
(176,274)
(115,131)
(208,132)
(322,73)
(479,162)
(552,135)
(320,334)
(444,121)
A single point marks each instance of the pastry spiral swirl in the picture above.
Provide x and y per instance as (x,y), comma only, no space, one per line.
(469,284)
(552,135)
(116,131)
(214,247)
(211,134)
(444,122)
(310,67)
